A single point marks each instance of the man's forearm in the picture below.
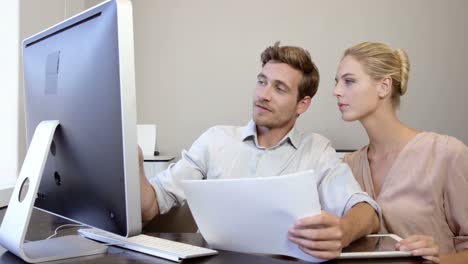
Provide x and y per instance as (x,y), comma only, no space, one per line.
(148,199)
(359,221)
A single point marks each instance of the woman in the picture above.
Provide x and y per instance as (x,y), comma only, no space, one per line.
(419,178)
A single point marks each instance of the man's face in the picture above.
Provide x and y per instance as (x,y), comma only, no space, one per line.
(275,101)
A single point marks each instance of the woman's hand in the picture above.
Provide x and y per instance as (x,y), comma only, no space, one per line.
(420,245)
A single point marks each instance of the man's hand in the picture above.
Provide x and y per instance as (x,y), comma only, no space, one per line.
(322,235)
(420,245)
(141,159)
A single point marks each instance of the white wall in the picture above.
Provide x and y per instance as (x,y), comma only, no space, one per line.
(9,78)
(197,61)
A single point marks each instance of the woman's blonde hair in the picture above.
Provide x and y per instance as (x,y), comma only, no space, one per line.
(380,61)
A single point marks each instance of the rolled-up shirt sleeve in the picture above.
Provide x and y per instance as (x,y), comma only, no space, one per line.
(191,166)
(338,189)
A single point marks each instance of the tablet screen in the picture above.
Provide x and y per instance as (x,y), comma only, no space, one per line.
(372,244)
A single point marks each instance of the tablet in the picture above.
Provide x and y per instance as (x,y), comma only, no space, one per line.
(374,246)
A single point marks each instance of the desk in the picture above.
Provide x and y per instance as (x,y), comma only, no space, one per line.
(43,225)
(155,164)
(158,158)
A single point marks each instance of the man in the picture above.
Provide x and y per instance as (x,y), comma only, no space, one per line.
(271,145)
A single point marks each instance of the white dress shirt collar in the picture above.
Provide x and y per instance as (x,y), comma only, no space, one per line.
(249,131)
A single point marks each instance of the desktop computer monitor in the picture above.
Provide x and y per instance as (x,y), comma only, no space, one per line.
(80,73)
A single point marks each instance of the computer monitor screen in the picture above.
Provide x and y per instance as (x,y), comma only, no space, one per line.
(81,73)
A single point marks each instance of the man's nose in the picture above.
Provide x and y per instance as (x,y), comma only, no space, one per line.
(264,92)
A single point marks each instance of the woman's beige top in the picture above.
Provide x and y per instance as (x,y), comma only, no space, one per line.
(425,191)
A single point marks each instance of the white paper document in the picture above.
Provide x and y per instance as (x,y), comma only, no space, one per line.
(253,215)
(146,137)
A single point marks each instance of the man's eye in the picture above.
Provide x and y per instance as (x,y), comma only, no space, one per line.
(261,82)
(280,88)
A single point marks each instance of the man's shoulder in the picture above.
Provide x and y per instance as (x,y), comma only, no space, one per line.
(310,138)
(217,136)
(225,131)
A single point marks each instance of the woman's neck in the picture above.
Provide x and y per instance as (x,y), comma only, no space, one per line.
(386,133)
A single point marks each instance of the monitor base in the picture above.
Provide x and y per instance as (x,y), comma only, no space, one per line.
(62,248)
(18,214)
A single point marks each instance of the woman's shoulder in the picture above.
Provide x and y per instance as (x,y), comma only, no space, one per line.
(441,144)
(355,157)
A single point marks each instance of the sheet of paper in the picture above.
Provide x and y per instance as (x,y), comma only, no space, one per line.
(146,136)
(253,215)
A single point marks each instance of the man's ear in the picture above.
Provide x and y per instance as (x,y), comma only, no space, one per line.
(385,87)
(303,105)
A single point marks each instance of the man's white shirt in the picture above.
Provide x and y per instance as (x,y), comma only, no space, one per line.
(231,152)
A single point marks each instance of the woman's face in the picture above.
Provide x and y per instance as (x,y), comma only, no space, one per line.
(355,90)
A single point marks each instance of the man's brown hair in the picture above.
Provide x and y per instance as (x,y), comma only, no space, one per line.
(299,59)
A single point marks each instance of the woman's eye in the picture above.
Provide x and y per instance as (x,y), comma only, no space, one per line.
(349,81)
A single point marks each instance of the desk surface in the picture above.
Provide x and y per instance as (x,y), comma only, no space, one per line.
(43,225)
(158,158)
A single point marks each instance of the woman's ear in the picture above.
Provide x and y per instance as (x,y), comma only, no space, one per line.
(385,87)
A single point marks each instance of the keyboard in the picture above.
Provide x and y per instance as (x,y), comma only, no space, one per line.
(154,246)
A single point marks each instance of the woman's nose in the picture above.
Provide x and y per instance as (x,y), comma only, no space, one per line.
(337,91)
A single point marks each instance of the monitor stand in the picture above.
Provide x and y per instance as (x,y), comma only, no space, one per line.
(18,214)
